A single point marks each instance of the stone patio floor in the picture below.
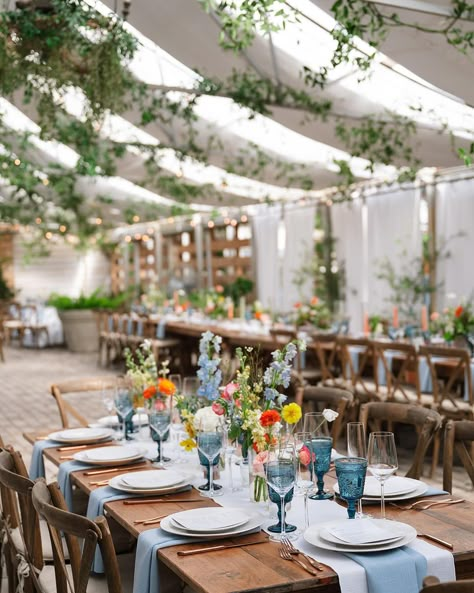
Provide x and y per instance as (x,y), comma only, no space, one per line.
(26,404)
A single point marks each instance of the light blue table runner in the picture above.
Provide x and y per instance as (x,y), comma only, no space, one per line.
(64,478)
(37,462)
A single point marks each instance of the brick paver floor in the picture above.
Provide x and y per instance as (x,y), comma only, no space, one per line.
(26,403)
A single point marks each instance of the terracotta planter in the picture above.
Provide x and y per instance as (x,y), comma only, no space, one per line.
(81,332)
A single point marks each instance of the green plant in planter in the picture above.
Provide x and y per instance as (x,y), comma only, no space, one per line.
(239,288)
(96,300)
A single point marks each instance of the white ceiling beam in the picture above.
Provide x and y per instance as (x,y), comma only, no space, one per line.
(418,6)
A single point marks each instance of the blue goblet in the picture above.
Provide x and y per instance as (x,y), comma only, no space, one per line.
(124,407)
(209,450)
(321,448)
(280,471)
(351,473)
(159,422)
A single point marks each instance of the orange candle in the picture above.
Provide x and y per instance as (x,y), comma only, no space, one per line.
(176,298)
(366,324)
(230,311)
(424,318)
(395,318)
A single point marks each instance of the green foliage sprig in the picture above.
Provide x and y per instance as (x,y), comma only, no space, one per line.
(96,300)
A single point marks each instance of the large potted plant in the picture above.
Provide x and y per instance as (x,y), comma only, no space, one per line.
(79,317)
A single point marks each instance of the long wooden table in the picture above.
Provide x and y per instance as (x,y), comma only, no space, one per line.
(260,568)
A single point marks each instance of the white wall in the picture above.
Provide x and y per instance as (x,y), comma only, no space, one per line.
(65,271)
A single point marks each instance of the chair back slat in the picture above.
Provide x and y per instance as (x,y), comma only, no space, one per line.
(328,354)
(362,376)
(50,505)
(426,422)
(458,438)
(432,585)
(398,375)
(334,398)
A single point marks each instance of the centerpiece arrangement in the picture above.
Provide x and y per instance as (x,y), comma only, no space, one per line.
(455,323)
(314,313)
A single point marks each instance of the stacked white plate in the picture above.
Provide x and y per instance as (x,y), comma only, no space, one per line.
(110,455)
(396,488)
(211,523)
(81,436)
(361,535)
(150,482)
(112,421)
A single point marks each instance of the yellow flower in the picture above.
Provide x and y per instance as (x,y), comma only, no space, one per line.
(188,444)
(291,413)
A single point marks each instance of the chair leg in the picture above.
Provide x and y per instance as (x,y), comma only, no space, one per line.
(435,459)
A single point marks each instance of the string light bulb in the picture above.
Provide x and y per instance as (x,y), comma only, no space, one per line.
(62,228)
(136,218)
(210,224)
(17,162)
(98,220)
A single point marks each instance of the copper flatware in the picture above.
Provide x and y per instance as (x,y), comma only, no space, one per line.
(285,554)
(64,457)
(424,505)
(102,483)
(111,470)
(285,543)
(88,446)
(155,500)
(436,539)
(216,548)
(150,520)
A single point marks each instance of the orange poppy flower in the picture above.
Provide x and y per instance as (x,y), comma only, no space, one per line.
(166,387)
(459,311)
(269,418)
(149,392)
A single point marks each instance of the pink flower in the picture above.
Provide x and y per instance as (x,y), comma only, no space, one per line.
(258,462)
(160,405)
(304,455)
(434,316)
(229,391)
(218,409)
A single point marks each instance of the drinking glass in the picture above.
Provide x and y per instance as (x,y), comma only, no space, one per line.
(280,471)
(304,477)
(210,440)
(176,379)
(356,447)
(124,408)
(108,399)
(159,418)
(321,445)
(190,386)
(176,427)
(382,458)
(351,473)
(229,450)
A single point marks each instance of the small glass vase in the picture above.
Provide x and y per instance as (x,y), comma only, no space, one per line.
(258,490)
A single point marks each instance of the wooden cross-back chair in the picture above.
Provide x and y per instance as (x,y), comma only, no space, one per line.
(432,585)
(328,354)
(425,421)
(362,374)
(315,399)
(60,391)
(50,505)
(21,521)
(450,370)
(458,438)
(400,366)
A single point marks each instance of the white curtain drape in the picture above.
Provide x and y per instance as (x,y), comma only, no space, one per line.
(393,233)
(455,225)
(299,248)
(347,226)
(265,255)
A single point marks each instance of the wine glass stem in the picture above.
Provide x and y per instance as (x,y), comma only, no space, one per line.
(211,477)
(283,517)
(320,482)
(160,460)
(231,479)
(359,508)
(306,514)
(382,499)
(124,428)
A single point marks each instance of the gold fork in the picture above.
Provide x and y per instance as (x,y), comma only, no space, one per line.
(287,556)
(285,542)
(427,504)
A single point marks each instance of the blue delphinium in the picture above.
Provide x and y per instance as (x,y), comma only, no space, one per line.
(209,373)
(278,374)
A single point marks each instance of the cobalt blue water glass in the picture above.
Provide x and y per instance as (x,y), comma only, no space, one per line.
(321,447)
(159,422)
(124,406)
(351,472)
(209,449)
(281,478)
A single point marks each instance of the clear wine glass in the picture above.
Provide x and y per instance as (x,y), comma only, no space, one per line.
(304,477)
(356,447)
(176,427)
(159,418)
(210,441)
(190,386)
(178,383)
(280,471)
(382,460)
(229,450)
(124,408)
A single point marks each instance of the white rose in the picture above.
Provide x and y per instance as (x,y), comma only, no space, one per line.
(330,415)
(205,419)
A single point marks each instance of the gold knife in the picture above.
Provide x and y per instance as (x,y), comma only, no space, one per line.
(437,540)
(216,548)
(111,470)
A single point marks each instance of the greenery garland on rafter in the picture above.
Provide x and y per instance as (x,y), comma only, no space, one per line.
(44,53)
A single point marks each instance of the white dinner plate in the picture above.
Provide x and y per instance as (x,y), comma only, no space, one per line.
(110,454)
(395,536)
(254,521)
(395,486)
(312,536)
(82,456)
(420,490)
(210,520)
(117,483)
(152,479)
(112,421)
(81,436)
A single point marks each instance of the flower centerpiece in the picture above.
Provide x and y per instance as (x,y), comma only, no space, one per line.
(142,371)
(254,407)
(454,322)
(313,313)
